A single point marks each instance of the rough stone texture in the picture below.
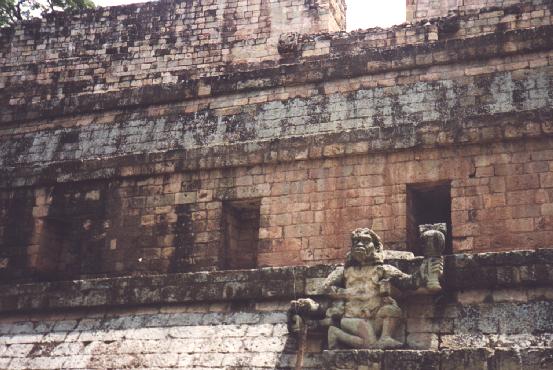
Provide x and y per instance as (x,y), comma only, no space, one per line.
(237,320)
(167,61)
(425,9)
(480,274)
(474,310)
(501,199)
(473,359)
(159,42)
(82,56)
(180,337)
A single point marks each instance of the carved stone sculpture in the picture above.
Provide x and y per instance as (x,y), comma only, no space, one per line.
(433,245)
(289,43)
(362,312)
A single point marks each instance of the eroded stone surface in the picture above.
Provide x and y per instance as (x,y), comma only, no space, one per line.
(170,337)
(140,162)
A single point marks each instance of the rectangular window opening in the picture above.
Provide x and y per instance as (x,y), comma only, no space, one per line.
(241,226)
(428,203)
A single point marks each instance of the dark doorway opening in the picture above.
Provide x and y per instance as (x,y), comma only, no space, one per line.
(428,203)
(241,226)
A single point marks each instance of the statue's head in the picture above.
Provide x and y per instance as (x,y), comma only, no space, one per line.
(366,248)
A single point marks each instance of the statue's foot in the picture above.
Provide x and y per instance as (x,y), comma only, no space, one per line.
(388,343)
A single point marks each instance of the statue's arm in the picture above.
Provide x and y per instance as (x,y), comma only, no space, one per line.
(307,309)
(302,311)
(400,279)
(418,279)
(333,286)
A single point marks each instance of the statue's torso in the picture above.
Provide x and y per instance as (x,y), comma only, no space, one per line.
(363,284)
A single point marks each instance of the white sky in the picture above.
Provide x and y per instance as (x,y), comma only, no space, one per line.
(360,14)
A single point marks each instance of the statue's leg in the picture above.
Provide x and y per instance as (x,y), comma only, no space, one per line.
(359,327)
(327,321)
(355,333)
(337,336)
(390,316)
(377,326)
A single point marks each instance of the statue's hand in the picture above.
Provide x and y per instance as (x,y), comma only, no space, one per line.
(339,293)
(437,266)
(434,266)
(304,306)
(385,288)
(431,271)
(297,324)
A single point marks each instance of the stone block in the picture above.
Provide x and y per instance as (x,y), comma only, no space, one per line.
(531,359)
(423,341)
(466,359)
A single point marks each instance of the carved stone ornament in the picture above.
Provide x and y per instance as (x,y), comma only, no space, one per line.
(433,244)
(362,311)
(289,43)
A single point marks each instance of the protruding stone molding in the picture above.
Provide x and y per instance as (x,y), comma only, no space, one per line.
(212,286)
(463,272)
(309,70)
(498,270)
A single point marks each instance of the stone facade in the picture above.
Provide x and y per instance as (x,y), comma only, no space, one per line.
(426,9)
(74,58)
(148,150)
(142,172)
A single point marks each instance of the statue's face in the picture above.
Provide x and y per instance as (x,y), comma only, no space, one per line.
(364,251)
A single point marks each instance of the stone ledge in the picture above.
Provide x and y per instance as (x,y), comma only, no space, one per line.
(463,272)
(467,358)
(266,283)
(499,270)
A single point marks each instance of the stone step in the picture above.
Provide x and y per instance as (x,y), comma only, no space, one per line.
(532,358)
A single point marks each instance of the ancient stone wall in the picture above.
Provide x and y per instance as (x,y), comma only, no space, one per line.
(426,9)
(500,200)
(51,83)
(200,336)
(64,57)
(466,358)
(330,138)
(144,147)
